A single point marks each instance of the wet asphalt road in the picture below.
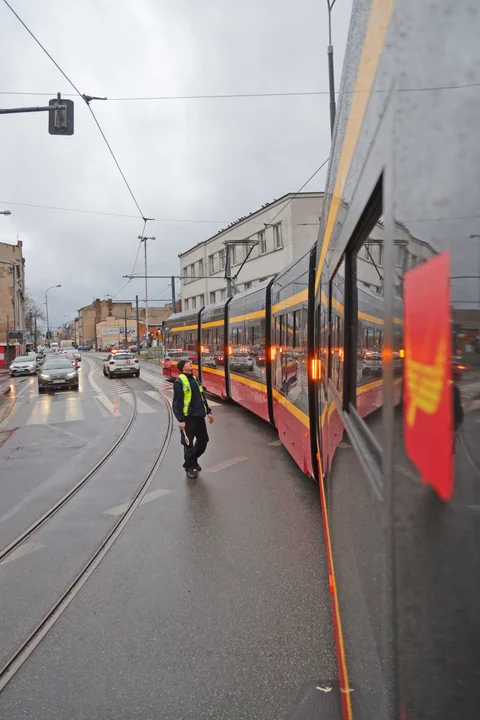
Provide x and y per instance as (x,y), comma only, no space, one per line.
(214,601)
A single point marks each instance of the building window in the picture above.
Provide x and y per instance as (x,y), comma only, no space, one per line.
(221,257)
(247,286)
(200,268)
(185,274)
(211,264)
(192,270)
(201,299)
(194,303)
(262,242)
(186,305)
(223,294)
(233,254)
(277,236)
(212,297)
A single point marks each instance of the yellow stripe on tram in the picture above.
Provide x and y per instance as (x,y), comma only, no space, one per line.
(378,24)
(214,323)
(248,316)
(299,414)
(300,297)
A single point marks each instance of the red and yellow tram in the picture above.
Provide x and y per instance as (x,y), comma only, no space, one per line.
(353,354)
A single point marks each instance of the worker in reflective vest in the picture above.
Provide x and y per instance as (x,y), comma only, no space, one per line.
(190,407)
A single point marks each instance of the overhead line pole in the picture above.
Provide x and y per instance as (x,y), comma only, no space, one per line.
(144,240)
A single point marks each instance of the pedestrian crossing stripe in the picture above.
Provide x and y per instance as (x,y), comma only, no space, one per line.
(45,412)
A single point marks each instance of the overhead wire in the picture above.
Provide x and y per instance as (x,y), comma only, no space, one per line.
(84,98)
(228,96)
(298,191)
(212,96)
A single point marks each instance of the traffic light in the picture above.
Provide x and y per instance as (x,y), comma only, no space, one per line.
(60,120)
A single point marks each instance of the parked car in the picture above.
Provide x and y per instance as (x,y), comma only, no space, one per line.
(23,365)
(57,372)
(121,363)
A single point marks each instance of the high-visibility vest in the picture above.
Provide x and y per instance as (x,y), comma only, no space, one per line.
(187,393)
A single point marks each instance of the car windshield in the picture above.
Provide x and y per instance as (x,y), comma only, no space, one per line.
(23,359)
(57,363)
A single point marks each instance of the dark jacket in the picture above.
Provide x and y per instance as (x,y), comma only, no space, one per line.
(198,403)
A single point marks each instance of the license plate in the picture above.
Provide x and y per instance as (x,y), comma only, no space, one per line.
(57,382)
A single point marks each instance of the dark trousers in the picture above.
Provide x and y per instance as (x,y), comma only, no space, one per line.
(196,430)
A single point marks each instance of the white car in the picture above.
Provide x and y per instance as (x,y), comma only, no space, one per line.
(121,363)
(23,365)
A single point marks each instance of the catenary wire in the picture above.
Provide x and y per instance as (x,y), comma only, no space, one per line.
(298,191)
(227,96)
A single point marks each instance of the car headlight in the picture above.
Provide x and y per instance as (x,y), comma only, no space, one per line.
(71,375)
(44,376)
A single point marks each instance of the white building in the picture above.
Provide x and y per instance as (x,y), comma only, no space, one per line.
(282,230)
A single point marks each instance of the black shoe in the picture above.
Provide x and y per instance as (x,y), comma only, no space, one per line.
(192,474)
(197,467)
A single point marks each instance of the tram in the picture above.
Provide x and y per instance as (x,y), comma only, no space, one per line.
(350,353)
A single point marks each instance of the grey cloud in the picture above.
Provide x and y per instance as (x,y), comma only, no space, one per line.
(204,159)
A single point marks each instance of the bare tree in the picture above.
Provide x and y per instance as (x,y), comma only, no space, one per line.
(33,313)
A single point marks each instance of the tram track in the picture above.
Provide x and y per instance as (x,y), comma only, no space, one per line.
(25,649)
(37,524)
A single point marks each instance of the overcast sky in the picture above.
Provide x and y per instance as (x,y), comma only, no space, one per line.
(211,160)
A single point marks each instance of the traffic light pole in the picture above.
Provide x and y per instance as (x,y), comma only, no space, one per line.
(60,120)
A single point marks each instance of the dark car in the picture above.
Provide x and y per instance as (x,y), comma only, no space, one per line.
(57,372)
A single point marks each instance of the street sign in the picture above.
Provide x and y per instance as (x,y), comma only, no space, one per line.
(15,335)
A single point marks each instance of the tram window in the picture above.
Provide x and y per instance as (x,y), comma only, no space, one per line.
(289,330)
(370,322)
(281,330)
(296,329)
(337,346)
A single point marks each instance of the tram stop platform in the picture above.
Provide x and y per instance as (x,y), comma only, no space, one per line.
(213,603)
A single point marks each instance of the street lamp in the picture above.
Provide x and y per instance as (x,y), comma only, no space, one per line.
(46,306)
(331,78)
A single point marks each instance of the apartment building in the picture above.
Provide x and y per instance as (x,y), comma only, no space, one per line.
(92,315)
(277,234)
(12,299)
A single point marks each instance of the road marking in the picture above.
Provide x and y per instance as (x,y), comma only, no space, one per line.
(73,409)
(154,394)
(475,507)
(104,413)
(142,407)
(225,464)
(120,509)
(41,411)
(275,443)
(113,408)
(24,549)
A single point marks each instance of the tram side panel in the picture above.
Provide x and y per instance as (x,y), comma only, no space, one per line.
(212,349)
(247,352)
(181,342)
(291,362)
